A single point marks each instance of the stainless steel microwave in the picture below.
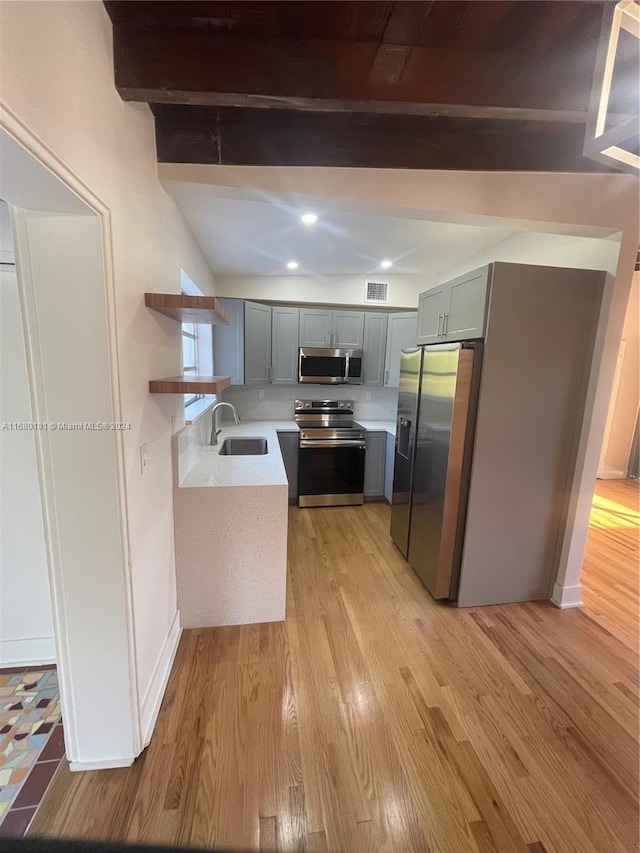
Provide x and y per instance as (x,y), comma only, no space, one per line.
(323,366)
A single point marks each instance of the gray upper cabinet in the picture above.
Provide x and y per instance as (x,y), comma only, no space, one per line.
(315,327)
(432,306)
(260,344)
(348,329)
(466,315)
(455,311)
(401,334)
(228,343)
(257,343)
(321,327)
(375,339)
(284,345)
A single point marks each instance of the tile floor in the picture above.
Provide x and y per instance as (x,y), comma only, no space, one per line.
(31,742)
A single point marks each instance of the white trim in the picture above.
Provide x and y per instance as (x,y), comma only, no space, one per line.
(612,474)
(47,495)
(158,682)
(107,764)
(27,651)
(15,127)
(567,596)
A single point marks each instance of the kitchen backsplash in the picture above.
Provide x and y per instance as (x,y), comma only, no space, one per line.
(189,441)
(278,400)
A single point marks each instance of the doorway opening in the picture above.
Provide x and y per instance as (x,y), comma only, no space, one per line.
(63,288)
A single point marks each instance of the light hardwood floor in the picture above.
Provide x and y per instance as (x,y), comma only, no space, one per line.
(375,720)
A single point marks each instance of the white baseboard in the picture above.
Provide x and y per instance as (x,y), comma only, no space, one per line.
(107,764)
(612,474)
(27,652)
(567,596)
(158,683)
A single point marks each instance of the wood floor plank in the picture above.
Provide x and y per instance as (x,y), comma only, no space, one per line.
(375,719)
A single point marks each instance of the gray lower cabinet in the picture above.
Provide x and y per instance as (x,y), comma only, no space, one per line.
(388,467)
(375,340)
(228,342)
(401,334)
(289,448)
(284,345)
(257,343)
(374,464)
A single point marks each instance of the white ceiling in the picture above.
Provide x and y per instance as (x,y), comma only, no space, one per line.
(246,234)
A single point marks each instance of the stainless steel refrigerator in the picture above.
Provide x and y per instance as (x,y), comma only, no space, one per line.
(437,402)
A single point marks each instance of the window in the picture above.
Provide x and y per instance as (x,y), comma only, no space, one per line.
(190,360)
(197,354)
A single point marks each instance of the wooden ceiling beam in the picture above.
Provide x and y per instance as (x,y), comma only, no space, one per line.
(289,138)
(183,66)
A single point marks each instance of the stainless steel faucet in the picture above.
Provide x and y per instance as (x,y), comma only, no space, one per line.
(215,432)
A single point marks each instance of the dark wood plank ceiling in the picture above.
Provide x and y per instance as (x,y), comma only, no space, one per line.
(490,85)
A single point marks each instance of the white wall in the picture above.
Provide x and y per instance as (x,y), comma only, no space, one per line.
(330,289)
(553,250)
(627,401)
(57,83)
(525,247)
(7,255)
(26,627)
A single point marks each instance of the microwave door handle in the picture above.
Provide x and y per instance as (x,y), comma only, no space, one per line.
(346,368)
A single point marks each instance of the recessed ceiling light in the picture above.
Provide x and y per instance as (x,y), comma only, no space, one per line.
(292,265)
(386,264)
(309,218)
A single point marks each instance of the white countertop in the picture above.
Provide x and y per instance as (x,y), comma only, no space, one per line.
(378,426)
(211,469)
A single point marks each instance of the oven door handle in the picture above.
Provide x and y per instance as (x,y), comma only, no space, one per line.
(330,442)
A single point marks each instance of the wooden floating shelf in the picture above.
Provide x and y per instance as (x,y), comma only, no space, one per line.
(189,385)
(187,309)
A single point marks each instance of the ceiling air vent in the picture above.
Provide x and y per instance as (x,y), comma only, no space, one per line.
(376,291)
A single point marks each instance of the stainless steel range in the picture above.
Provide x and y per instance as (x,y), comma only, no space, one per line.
(330,454)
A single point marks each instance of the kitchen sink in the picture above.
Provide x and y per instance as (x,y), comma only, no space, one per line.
(244,446)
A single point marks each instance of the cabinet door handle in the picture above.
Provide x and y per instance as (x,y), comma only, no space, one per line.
(439,324)
(386,377)
(445,324)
